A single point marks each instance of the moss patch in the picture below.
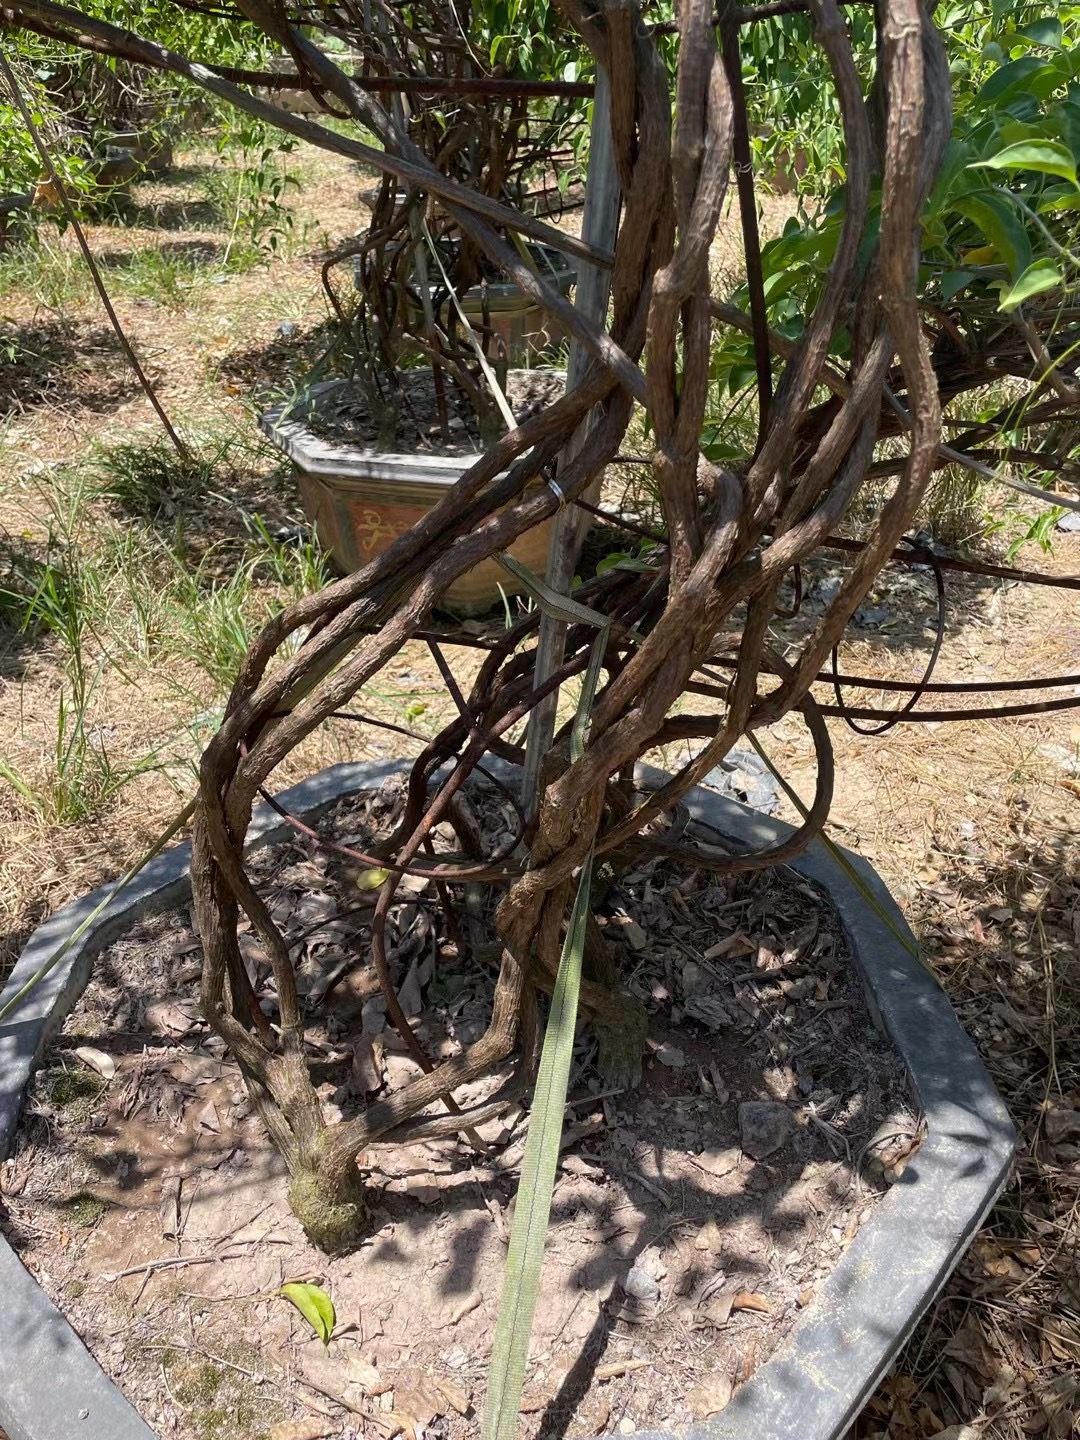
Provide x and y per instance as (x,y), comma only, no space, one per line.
(330,1215)
(222,1403)
(202,1384)
(82,1209)
(74,1092)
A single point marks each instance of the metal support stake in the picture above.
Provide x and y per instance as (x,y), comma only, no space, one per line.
(600,224)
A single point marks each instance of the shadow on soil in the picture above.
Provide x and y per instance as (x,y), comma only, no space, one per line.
(167,214)
(69,367)
(207,511)
(414,1229)
(768,1221)
(193,253)
(178,175)
(281,364)
(1001,1348)
(898,618)
(16,640)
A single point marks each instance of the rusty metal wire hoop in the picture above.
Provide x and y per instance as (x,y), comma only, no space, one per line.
(927,675)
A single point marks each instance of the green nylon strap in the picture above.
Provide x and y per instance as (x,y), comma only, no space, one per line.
(528,1232)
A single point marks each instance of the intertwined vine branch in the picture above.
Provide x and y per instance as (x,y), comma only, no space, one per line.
(662,627)
(731,537)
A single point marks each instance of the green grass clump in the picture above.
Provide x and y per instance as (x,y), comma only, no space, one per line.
(82,1209)
(52,275)
(114,601)
(69,1088)
(171,274)
(144,477)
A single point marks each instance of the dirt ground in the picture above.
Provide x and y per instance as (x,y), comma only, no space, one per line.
(973,824)
(692,1221)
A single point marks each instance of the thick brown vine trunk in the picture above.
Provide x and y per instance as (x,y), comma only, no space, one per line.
(731,536)
(674,180)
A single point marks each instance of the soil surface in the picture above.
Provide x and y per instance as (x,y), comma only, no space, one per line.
(693,1218)
(404,415)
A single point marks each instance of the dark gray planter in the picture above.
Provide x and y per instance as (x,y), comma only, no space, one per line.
(814,1386)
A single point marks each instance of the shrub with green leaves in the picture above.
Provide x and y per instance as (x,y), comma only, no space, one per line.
(82,102)
(1000,252)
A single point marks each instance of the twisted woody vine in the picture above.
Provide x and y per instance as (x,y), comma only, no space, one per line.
(695,617)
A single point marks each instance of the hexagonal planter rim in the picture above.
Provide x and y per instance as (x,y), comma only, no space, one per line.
(343,475)
(814,1386)
(285,426)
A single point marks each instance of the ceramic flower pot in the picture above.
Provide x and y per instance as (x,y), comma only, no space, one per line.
(515,325)
(361,499)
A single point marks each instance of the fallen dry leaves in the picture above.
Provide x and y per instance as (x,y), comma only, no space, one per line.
(709,1395)
(998,1358)
(314,1429)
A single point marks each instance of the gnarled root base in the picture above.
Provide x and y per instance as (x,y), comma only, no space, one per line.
(620,1028)
(329,1207)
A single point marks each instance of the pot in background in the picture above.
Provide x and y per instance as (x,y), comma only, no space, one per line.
(361,499)
(517,327)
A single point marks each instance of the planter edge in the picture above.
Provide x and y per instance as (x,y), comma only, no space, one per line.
(285,426)
(294,438)
(51,1387)
(813,1387)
